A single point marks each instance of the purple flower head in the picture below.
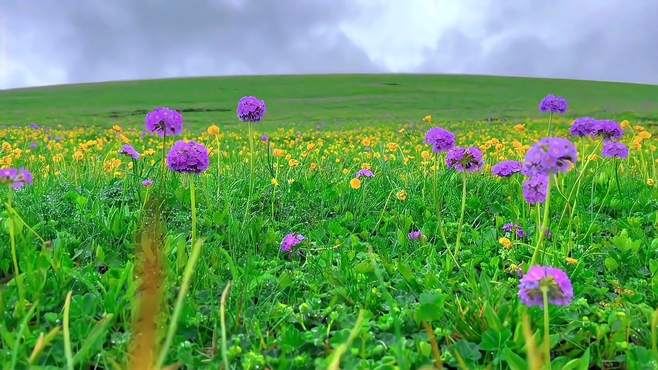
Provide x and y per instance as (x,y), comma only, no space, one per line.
(251,109)
(164,122)
(554,104)
(264,138)
(440,139)
(16,178)
(514,228)
(147,183)
(415,235)
(535,189)
(188,157)
(364,173)
(613,149)
(464,159)
(608,130)
(35,126)
(130,151)
(520,233)
(550,155)
(585,126)
(290,241)
(34,146)
(553,280)
(506,168)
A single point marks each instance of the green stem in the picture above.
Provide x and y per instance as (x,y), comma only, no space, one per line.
(251,172)
(617,177)
(461,217)
(14,258)
(547,336)
(550,120)
(544,224)
(193,205)
(222,312)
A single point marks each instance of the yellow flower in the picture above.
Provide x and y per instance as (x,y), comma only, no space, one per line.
(78,155)
(427,118)
(275,182)
(505,242)
(278,152)
(313,166)
(366,141)
(310,146)
(651,182)
(291,181)
(426,155)
(213,130)
(571,261)
(293,163)
(401,195)
(644,134)
(6,147)
(365,166)
(392,147)
(355,183)
(520,127)
(117,128)
(625,123)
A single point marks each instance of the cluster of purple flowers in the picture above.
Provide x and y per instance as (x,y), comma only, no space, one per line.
(364,173)
(290,241)
(415,235)
(554,104)
(130,152)
(506,168)
(251,109)
(17,178)
(550,155)
(514,228)
(555,281)
(164,122)
(188,157)
(440,139)
(465,159)
(614,149)
(610,131)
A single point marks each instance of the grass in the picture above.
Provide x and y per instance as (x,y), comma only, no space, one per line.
(97,251)
(323,100)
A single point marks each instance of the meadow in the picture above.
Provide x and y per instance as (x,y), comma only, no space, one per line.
(356,222)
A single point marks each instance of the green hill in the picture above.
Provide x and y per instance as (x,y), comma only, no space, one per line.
(329,99)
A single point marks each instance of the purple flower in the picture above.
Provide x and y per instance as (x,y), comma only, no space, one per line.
(554,104)
(613,149)
(147,183)
(608,130)
(34,146)
(365,173)
(264,138)
(35,126)
(130,151)
(290,241)
(415,235)
(251,109)
(514,228)
(188,157)
(553,280)
(16,178)
(464,159)
(550,155)
(440,139)
(535,189)
(585,126)
(506,168)
(164,122)
(520,233)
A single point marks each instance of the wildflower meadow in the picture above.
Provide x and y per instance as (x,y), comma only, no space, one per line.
(522,242)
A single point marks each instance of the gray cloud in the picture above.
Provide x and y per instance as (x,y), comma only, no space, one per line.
(67,41)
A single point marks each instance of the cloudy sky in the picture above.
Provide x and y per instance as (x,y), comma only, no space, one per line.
(46,42)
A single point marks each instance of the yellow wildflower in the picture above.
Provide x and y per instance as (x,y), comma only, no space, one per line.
(427,118)
(355,183)
(213,130)
(401,195)
(505,242)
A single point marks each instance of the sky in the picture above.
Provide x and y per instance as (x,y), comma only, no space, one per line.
(45,42)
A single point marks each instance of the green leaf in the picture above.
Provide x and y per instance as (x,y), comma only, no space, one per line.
(514,361)
(494,341)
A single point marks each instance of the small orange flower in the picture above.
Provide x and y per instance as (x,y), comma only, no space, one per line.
(355,184)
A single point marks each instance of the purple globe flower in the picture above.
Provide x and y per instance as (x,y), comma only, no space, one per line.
(415,235)
(364,173)
(290,241)
(147,183)
(550,155)
(188,157)
(34,146)
(506,168)
(130,151)
(265,138)
(585,126)
(35,126)
(514,228)
(608,130)
(555,281)
(164,122)
(251,109)
(440,139)
(554,104)
(613,149)
(17,178)
(535,189)
(464,159)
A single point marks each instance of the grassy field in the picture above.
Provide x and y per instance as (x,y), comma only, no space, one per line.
(331,99)
(112,258)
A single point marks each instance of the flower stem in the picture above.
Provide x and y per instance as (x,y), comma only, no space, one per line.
(461,217)
(617,177)
(544,225)
(251,172)
(12,239)
(193,205)
(547,336)
(550,120)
